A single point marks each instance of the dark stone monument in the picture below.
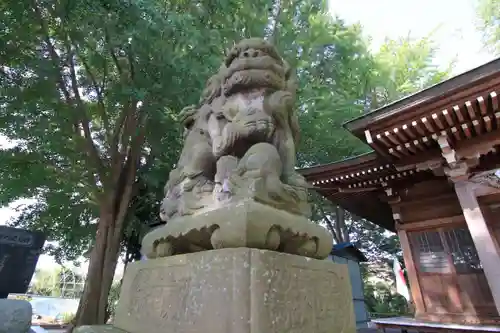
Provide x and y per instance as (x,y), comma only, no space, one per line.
(19,252)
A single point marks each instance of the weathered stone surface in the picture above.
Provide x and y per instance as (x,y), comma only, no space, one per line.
(15,316)
(99,329)
(235,291)
(240,140)
(245,223)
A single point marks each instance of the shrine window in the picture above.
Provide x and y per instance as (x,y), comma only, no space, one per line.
(445,251)
(463,251)
(429,252)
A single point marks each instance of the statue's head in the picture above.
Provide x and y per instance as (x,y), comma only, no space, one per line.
(253,63)
(241,101)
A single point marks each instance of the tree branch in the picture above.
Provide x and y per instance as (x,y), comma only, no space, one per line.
(340,225)
(354,219)
(115,137)
(129,126)
(111,52)
(90,146)
(329,223)
(146,166)
(67,96)
(132,119)
(125,185)
(92,181)
(92,150)
(127,122)
(275,30)
(122,134)
(100,99)
(53,54)
(131,64)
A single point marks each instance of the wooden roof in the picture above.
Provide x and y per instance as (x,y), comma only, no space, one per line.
(454,114)
(358,185)
(413,128)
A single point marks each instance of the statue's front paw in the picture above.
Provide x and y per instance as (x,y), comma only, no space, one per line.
(296,180)
(218,188)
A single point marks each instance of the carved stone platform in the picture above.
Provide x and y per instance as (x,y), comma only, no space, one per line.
(99,329)
(241,224)
(234,291)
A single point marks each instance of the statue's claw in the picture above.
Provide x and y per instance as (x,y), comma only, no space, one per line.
(295,180)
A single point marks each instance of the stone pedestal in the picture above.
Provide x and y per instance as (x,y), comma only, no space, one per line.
(243,223)
(234,291)
(15,316)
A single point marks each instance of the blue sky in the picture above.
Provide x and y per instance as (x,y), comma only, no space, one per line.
(456,35)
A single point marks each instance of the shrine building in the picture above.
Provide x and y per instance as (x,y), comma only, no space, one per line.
(434,178)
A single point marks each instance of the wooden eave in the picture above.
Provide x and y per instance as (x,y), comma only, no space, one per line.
(419,99)
(363,173)
(449,113)
(363,185)
(452,121)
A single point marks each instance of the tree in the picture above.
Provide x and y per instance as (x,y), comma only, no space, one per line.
(114,295)
(380,300)
(404,66)
(45,283)
(489,23)
(70,283)
(58,282)
(90,90)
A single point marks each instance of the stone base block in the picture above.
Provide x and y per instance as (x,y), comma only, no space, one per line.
(235,291)
(15,316)
(245,223)
(99,329)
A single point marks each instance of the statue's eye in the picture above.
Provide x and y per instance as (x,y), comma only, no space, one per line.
(219,116)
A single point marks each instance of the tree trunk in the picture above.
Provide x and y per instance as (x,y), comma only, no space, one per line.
(104,256)
(274,21)
(340,225)
(91,307)
(102,266)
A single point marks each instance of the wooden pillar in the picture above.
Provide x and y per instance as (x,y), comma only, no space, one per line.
(393,199)
(483,240)
(416,292)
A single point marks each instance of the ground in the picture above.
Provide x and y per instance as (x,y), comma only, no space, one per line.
(365,330)
(373,330)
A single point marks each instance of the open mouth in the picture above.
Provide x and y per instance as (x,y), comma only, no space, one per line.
(262,71)
(246,80)
(265,63)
